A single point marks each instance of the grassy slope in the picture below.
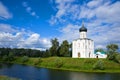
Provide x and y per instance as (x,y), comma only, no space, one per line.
(85,65)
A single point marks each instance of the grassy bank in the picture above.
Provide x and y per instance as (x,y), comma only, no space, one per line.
(65,63)
(7,78)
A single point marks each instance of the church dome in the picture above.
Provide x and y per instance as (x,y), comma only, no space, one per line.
(83,29)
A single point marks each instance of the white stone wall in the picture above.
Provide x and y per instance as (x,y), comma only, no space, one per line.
(83,35)
(100,55)
(83,46)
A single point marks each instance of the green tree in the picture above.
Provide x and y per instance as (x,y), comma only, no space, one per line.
(112,51)
(64,48)
(112,48)
(99,50)
(25,59)
(5,58)
(117,58)
(54,48)
(11,56)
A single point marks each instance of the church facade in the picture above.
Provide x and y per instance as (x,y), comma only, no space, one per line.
(83,47)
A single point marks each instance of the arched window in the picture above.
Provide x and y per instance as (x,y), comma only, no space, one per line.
(89,54)
(78,54)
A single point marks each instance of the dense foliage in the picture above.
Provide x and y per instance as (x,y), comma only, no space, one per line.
(112,52)
(9,52)
(99,65)
(63,50)
(25,59)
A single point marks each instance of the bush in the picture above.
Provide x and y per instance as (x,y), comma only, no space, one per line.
(58,63)
(8,57)
(25,59)
(99,65)
(117,58)
(11,56)
(111,56)
(5,58)
(37,61)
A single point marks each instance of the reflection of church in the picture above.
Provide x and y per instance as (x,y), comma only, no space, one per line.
(83,47)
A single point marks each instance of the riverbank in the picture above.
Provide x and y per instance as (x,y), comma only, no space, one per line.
(65,63)
(7,78)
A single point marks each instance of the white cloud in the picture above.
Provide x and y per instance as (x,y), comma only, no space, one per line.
(94,3)
(11,37)
(69,32)
(29,9)
(4,13)
(25,4)
(33,13)
(6,28)
(102,18)
(62,7)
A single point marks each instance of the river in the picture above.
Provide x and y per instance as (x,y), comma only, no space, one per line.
(33,73)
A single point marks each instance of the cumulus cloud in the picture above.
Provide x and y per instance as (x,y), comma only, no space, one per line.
(6,28)
(14,38)
(4,13)
(69,32)
(102,18)
(29,10)
(61,6)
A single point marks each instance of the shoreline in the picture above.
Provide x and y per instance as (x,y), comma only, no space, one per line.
(68,65)
(4,77)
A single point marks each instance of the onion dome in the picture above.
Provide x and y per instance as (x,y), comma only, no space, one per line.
(83,29)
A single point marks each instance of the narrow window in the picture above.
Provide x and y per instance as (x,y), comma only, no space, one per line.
(78,54)
(89,54)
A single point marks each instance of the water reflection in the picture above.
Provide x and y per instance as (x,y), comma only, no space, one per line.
(6,65)
(31,73)
(94,76)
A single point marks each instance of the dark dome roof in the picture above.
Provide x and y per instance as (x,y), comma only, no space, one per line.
(83,29)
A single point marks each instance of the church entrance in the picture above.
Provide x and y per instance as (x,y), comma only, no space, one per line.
(78,54)
(89,54)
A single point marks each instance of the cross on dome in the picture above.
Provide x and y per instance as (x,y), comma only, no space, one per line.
(83,29)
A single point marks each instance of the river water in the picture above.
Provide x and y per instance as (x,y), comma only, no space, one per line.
(33,73)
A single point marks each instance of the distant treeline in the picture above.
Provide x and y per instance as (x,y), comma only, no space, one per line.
(55,50)
(21,52)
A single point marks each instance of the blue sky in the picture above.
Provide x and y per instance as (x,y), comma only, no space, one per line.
(33,23)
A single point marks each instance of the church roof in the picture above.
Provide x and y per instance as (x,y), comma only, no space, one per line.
(83,29)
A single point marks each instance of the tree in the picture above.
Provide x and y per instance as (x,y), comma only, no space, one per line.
(54,48)
(112,48)
(99,50)
(11,56)
(117,58)
(64,48)
(25,59)
(112,51)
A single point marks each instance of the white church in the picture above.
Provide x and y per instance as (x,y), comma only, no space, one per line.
(83,47)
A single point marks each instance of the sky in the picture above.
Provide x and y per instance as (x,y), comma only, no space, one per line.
(33,23)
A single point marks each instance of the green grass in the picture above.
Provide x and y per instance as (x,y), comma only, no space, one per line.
(72,64)
(7,78)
